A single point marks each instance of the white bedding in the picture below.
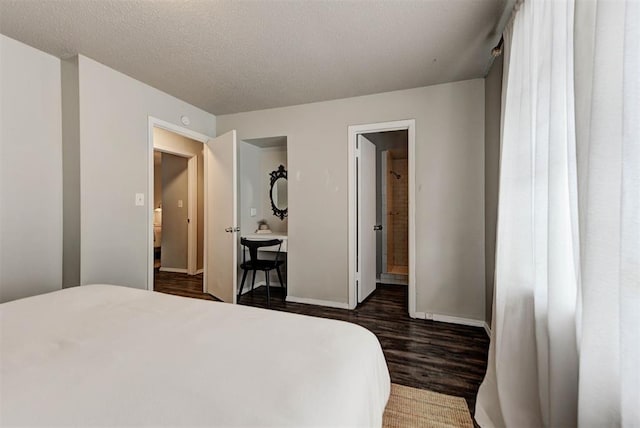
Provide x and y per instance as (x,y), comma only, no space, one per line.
(104,355)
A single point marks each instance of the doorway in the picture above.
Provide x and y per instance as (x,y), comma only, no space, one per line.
(381,209)
(218,216)
(392,206)
(178,207)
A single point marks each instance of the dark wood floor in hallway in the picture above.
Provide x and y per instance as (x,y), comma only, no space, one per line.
(446,358)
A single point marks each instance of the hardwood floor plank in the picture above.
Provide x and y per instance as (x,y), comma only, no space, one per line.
(441,357)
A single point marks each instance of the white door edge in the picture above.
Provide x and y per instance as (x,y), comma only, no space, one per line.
(366,219)
(222,225)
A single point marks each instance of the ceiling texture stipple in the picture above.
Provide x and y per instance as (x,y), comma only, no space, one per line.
(233,56)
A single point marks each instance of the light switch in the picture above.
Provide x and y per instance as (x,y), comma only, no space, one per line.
(179,203)
(139,199)
(253,212)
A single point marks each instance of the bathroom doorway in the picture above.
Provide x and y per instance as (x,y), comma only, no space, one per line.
(381,207)
(392,207)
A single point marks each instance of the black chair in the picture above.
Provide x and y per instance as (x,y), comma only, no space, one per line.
(254,263)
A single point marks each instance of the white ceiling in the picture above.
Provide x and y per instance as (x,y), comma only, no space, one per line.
(395,141)
(231,56)
(268,142)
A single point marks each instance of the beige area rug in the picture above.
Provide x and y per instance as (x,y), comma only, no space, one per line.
(411,407)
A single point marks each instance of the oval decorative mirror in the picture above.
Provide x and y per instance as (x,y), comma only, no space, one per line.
(279,193)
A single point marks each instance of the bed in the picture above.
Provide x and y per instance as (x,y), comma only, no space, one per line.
(105,355)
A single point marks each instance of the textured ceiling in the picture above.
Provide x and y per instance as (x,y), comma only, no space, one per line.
(231,56)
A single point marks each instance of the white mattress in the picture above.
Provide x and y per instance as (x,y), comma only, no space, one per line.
(104,355)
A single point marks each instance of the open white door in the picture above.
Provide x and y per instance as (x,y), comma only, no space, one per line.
(221,225)
(366,177)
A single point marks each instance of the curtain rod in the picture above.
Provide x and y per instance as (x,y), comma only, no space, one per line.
(497,51)
(506,15)
(510,7)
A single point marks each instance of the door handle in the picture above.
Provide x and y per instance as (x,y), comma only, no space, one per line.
(377,227)
(228,229)
(236,229)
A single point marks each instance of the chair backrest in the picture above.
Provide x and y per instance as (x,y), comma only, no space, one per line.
(253,246)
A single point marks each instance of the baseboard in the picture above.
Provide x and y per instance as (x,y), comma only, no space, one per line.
(450,319)
(487,328)
(174,270)
(317,302)
(392,281)
(247,287)
(457,320)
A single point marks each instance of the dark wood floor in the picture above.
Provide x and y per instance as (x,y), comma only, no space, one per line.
(441,357)
(179,284)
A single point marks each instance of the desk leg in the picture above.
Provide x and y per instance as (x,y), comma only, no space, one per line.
(282,283)
(266,277)
(244,276)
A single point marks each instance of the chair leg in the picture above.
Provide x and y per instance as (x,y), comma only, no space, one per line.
(244,276)
(266,279)
(282,283)
(253,280)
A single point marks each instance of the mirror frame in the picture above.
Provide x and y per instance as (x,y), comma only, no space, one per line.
(281,172)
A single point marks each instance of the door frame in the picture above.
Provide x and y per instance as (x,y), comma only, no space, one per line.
(354,130)
(193,202)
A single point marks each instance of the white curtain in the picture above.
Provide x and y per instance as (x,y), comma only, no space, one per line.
(532,378)
(566,326)
(607,63)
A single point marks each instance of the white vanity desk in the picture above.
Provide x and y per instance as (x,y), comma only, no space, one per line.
(267,237)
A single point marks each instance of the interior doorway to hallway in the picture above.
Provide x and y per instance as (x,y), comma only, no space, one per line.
(178,208)
(220,217)
(381,209)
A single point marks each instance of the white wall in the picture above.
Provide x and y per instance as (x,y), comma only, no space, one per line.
(493,103)
(114,159)
(256,164)
(175,187)
(70,173)
(272,158)
(251,182)
(30,171)
(449,185)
